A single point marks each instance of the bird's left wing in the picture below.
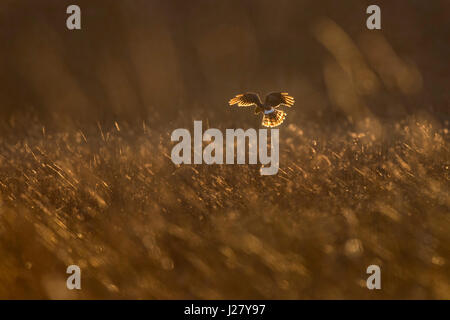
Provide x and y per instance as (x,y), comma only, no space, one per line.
(246,100)
(275,99)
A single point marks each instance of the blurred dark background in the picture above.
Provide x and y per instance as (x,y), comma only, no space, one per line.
(134,57)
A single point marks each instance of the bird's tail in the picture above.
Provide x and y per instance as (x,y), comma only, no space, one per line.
(274,118)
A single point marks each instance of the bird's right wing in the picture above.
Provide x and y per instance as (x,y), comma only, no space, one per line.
(246,100)
(275,99)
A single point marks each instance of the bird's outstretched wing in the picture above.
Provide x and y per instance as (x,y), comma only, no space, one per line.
(275,99)
(246,100)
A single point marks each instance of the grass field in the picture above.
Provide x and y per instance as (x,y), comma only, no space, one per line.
(111,201)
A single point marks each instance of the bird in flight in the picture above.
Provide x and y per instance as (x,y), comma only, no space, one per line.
(272,116)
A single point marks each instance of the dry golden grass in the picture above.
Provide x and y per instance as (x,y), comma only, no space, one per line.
(111,201)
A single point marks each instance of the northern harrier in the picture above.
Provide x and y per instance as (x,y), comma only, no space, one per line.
(272,116)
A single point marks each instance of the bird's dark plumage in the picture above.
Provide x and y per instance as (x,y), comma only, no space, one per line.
(272,117)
